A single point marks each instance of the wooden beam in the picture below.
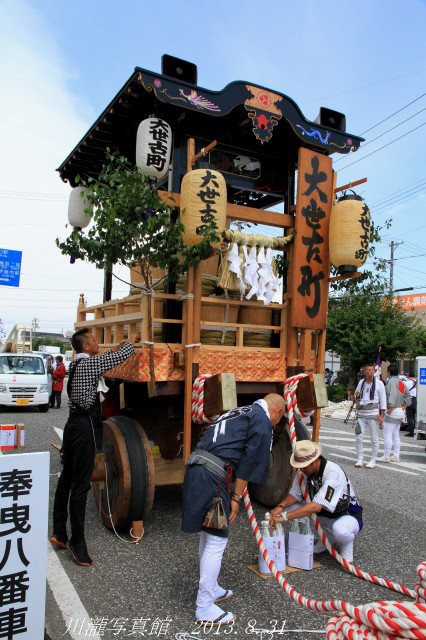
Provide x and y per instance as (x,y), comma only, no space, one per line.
(239,212)
(203,151)
(350,185)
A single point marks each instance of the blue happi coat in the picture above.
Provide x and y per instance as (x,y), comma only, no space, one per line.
(241,438)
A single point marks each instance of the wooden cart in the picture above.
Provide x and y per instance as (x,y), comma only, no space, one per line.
(286,165)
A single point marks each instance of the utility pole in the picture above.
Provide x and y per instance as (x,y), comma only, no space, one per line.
(393,245)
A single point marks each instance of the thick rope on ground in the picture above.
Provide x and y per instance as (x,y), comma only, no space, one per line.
(374,621)
(290,387)
(380,620)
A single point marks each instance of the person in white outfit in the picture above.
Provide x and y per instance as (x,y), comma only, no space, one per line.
(332,498)
(371,408)
(398,397)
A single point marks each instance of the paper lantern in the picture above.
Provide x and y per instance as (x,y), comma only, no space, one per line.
(153,147)
(77,215)
(202,200)
(349,233)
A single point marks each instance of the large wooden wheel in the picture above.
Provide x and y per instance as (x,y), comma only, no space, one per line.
(128,489)
(280,473)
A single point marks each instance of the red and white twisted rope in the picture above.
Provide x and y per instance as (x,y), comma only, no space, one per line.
(197,408)
(291,402)
(381,620)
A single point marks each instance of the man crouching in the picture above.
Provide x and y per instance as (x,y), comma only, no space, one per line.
(235,448)
(332,498)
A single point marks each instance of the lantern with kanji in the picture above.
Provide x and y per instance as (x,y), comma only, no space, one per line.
(153,147)
(79,208)
(349,233)
(202,202)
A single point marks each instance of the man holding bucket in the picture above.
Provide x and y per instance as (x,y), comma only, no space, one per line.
(332,498)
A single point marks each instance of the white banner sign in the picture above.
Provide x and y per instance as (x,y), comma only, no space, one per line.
(24,500)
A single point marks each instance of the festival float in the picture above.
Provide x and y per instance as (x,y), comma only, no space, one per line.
(245,317)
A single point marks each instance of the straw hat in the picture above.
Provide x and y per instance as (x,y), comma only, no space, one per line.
(305,452)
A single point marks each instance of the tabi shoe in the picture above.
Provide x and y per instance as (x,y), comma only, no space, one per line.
(383,459)
(370,465)
(409,435)
(78,551)
(394,458)
(227,593)
(359,463)
(59,539)
(216,617)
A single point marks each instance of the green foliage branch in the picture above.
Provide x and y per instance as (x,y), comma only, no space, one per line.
(132,224)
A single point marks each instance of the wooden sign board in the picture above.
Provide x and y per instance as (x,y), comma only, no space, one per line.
(311,260)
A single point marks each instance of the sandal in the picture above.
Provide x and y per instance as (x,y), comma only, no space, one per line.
(228,593)
(225,618)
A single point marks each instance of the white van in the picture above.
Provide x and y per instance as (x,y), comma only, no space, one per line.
(24,381)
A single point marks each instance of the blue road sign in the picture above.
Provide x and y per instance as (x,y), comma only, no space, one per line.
(422,376)
(10,267)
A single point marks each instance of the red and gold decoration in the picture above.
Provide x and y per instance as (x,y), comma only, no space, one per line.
(350,224)
(202,201)
(263,111)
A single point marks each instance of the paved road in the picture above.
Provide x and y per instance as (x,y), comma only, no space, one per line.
(148,591)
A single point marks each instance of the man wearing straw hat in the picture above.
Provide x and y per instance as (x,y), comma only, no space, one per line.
(332,498)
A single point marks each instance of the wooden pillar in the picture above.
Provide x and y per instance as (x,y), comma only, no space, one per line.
(320,369)
(305,349)
(188,336)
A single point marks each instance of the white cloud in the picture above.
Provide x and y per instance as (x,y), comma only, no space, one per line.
(40,122)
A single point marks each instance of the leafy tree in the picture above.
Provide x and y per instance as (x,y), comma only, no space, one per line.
(132,224)
(53,342)
(359,323)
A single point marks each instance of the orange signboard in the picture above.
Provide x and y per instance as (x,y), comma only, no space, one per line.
(311,261)
(416,301)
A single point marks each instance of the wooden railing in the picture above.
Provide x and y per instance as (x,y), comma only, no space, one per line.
(114,320)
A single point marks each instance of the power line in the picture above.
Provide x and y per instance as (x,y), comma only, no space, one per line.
(396,201)
(383,147)
(402,191)
(392,114)
(384,133)
(415,255)
(366,86)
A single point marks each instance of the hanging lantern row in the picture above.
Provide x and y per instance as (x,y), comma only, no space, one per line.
(78,215)
(349,239)
(203,199)
(153,147)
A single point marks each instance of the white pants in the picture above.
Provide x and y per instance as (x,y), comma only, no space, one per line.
(391,432)
(342,530)
(211,550)
(372,424)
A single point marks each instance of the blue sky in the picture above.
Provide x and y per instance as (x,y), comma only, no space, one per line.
(61,63)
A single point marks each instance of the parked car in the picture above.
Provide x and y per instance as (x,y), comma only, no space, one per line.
(24,381)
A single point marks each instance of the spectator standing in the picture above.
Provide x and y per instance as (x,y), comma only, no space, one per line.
(371,397)
(58,374)
(328,374)
(398,397)
(411,409)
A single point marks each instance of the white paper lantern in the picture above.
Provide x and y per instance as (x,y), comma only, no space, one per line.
(153,147)
(77,216)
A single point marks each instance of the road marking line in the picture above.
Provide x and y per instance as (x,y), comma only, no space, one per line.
(380,466)
(421,468)
(422,453)
(59,432)
(73,612)
(348,433)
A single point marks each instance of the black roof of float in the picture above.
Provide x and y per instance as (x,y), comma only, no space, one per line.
(245,119)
